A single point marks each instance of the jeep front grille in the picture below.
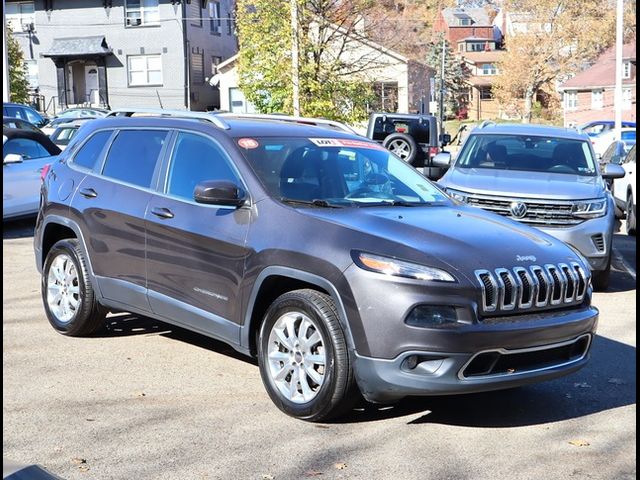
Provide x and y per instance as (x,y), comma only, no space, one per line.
(534,287)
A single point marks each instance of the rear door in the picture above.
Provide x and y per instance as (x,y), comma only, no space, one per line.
(111,202)
(196,252)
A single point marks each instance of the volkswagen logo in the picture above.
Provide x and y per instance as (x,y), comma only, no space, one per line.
(518,209)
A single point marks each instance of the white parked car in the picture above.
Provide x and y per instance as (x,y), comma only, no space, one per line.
(601,142)
(624,190)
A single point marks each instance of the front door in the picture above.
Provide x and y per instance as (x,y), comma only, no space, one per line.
(196,252)
(91,84)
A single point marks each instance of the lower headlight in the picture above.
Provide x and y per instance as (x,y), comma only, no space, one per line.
(590,208)
(432,316)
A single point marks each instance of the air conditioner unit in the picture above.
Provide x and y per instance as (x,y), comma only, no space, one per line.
(134,22)
(28,27)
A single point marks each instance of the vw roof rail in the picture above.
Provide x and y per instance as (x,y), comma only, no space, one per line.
(160,112)
(486,123)
(319,122)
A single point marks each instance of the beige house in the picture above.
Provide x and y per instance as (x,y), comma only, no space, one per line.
(402,85)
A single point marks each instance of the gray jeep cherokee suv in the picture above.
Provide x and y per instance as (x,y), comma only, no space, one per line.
(545,177)
(333,262)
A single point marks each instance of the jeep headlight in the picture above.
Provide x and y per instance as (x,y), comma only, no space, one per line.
(596,207)
(400,268)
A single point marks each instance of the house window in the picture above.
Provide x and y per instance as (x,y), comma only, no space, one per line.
(626,70)
(571,100)
(627,98)
(230,23)
(144,70)
(32,73)
(475,46)
(596,99)
(489,69)
(141,12)
(195,13)
(464,21)
(214,21)
(485,93)
(197,68)
(19,15)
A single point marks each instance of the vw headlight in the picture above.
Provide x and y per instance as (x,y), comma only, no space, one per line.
(596,207)
(457,195)
(400,268)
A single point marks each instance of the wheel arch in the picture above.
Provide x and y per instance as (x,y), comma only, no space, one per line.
(276,280)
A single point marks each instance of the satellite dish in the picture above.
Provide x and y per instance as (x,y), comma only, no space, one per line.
(215,80)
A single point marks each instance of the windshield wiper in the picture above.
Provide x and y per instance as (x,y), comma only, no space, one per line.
(316,202)
(394,203)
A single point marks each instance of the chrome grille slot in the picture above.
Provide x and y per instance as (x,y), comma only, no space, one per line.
(570,275)
(527,288)
(543,291)
(506,289)
(582,282)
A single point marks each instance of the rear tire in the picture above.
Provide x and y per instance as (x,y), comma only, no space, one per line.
(68,296)
(303,357)
(631,215)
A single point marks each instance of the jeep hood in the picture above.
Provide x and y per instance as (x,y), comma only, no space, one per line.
(464,238)
(513,183)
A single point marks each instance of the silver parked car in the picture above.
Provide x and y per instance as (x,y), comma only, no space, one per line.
(25,155)
(546,177)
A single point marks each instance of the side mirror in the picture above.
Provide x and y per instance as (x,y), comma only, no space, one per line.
(446,139)
(216,192)
(611,171)
(12,158)
(442,160)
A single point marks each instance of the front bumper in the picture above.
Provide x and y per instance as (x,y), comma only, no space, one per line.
(519,352)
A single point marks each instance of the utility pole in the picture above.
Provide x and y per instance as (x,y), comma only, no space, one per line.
(617,97)
(295,62)
(6,93)
(441,108)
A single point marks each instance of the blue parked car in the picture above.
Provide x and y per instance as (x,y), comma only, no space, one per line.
(25,155)
(597,127)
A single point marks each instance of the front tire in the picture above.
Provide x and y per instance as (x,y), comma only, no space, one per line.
(67,293)
(303,357)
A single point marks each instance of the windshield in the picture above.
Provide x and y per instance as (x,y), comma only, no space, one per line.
(528,153)
(336,172)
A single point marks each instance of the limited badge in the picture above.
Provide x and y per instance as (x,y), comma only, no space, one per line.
(248,143)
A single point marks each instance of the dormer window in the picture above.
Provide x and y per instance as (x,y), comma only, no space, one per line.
(464,21)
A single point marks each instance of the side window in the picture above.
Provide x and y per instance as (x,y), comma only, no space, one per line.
(15,112)
(133,156)
(33,117)
(90,151)
(26,147)
(196,158)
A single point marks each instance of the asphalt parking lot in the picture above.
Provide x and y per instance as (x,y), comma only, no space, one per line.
(144,400)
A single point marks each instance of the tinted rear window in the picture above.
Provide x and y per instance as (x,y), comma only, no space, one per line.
(418,130)
(90,151)
(26,147)
(133,156)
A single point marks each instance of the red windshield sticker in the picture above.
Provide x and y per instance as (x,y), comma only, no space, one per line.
(344,142)
(248,143)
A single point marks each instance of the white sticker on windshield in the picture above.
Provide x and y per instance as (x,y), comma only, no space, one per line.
(344,142)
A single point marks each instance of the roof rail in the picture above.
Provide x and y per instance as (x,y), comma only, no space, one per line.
(160,112)
(486,123)
(319,122)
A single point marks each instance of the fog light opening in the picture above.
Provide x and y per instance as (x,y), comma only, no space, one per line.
(410,362)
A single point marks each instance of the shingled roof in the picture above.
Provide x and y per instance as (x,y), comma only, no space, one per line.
(603,72)
(78,46)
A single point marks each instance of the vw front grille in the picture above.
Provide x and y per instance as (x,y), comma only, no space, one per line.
(537,286)
(538,213)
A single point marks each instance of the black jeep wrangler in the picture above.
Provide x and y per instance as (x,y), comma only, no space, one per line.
(414,138)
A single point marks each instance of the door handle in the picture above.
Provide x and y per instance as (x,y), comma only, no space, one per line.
(88,193)
(162,212)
